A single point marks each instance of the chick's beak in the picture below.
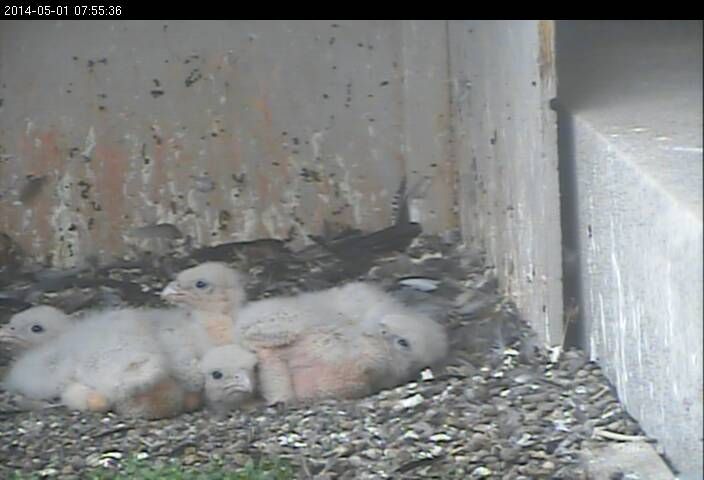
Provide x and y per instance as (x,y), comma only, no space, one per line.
(8,340)
(244,385)
(5,335)
(172,292)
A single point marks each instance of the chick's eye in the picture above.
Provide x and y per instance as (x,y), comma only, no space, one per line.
(402,342)
(216,374)
(37,329)
(201,284)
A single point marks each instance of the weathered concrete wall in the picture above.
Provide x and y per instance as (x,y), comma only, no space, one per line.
(632,92)
(230,130)
(503,78)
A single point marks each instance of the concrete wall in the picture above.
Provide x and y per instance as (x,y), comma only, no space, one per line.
(631,95)
(503,79)
(229,130)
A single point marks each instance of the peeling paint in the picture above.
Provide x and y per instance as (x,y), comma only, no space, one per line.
(315,141)
(89,144)
(250,223)
(352,197)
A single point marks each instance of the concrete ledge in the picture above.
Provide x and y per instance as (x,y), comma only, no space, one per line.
(635,122)
(636,460)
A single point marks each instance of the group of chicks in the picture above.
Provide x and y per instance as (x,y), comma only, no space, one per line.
(214,349)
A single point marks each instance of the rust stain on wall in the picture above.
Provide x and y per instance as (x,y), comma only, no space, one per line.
(40,156)
(112,164)
(236,134)
(546,51)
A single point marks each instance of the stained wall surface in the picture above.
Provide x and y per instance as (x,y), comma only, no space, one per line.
(228,130)
(503,78)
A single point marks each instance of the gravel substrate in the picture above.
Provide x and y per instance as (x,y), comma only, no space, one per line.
(502,406)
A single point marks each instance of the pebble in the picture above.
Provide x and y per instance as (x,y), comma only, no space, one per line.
(481,472)
(440,437)
(411,402)
(422,284)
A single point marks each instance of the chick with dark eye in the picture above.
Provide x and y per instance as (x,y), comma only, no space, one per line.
(230,378)
(33,327)
(213,293)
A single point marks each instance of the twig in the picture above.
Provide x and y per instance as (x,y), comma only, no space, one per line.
(149,444)
(118,429)
(599,394)
(413,464)
(328,464)
(552,382)
(18,411)
(13,412)
(181,447)
(570,315)
(304,466)
(601,432)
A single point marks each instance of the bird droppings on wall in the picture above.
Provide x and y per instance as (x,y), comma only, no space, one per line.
(193,76)
(92,63)
(256,131)
(157,91)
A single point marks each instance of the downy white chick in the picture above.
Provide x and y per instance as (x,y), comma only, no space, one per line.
(279,329)
(338,360)
(369,307)
(230,378)
(176,383)
(106,358)
(343,342)
(34,326)
(161,376)
(152,356)
(122,360)
(380,313)
(213,293)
